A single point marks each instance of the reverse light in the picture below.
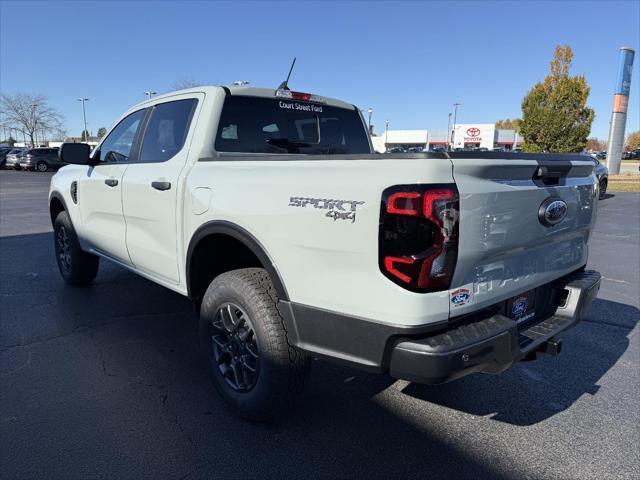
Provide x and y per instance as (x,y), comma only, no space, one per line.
(418,239)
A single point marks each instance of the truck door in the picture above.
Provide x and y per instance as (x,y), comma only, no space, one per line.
(152,187)
(100,190)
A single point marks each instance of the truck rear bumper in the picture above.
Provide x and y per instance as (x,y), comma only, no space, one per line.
(493,344)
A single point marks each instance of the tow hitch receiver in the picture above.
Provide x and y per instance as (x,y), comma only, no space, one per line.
(552,347)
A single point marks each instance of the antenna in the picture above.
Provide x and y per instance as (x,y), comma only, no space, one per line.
(285,85)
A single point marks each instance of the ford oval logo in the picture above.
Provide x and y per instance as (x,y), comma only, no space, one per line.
(552,211)
(520,306)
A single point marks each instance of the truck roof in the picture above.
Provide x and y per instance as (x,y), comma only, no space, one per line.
(244,90)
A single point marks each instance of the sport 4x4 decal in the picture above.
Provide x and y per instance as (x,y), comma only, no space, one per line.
(336,209)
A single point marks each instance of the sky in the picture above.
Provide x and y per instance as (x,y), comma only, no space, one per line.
(409,62)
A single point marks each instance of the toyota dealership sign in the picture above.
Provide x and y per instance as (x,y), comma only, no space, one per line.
(474,135)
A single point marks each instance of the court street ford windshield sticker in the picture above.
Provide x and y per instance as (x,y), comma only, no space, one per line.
(336,209)
(300,107)
(461,296)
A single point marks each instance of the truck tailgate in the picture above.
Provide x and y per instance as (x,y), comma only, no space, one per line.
(507,246)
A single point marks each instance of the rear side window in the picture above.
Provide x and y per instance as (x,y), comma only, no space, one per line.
(167,130)
(266,125)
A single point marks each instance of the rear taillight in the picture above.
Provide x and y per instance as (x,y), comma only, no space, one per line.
(418,244)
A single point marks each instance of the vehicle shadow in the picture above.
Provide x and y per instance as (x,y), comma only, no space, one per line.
(158,416)
(607,196)
(121,388)
(531,392)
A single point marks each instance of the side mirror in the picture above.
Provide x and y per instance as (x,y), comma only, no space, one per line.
(76,153)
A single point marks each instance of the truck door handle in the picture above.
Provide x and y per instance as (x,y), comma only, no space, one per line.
(111,182)
(158,185)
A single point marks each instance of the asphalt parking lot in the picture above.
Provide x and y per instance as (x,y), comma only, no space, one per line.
(105,382)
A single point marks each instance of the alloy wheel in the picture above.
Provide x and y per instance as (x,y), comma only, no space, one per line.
(235,350)
(64,248)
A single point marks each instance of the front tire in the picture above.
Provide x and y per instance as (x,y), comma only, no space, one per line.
(244,342)
(603,189)
(42,167)
(76,266)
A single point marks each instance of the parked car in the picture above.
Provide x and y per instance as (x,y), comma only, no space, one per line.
(251,202)
(13,158)
(41,159)
(3,155)
(602,172)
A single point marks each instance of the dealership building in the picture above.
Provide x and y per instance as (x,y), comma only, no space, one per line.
(463,136)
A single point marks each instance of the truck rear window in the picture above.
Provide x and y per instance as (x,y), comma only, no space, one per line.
(265,125)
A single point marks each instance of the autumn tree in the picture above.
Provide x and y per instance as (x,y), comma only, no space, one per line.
(508,124)
(29,113)
(633,141)
(595,144)
(555,117)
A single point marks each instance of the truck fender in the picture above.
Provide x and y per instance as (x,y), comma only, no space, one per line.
(247,239)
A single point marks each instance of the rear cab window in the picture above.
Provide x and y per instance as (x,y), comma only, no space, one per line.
(167,130)
(278,126)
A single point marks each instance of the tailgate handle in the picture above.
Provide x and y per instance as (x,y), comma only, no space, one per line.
(548,177)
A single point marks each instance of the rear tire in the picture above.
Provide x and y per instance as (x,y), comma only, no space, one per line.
(603,189)
(42,167)
(243,340)
(76,266)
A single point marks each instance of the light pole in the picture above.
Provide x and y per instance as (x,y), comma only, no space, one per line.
(455,116)
(369,124)
(449,131)
(150,93)
(386,133)
(85,133)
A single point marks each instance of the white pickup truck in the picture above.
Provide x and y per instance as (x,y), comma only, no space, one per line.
(269,209)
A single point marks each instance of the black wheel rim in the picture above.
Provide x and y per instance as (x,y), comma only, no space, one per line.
(64,249)
(235,350)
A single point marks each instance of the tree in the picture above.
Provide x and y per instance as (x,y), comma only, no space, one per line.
(187,82)
(84,136)
(59,134)
(30,113)
(102,132)
(555,117)
(9,141)
(595,144)
(508,124)
(633,141)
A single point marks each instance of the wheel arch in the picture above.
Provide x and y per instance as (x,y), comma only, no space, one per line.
(56,205)
(224,231)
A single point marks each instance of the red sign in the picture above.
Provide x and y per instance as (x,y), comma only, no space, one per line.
(473,131)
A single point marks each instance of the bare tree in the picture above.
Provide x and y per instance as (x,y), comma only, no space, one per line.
(29,113)
(187,82)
